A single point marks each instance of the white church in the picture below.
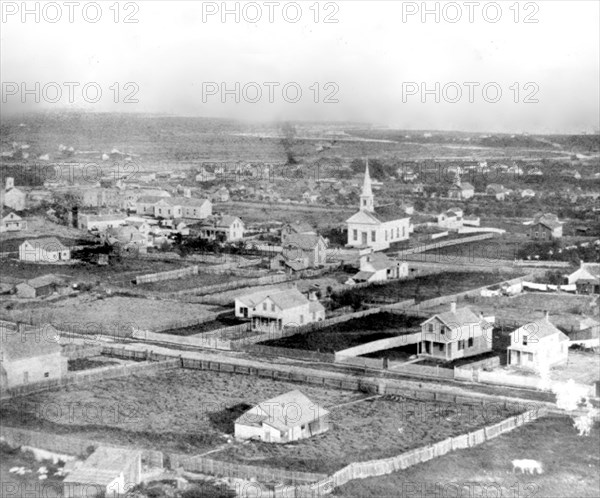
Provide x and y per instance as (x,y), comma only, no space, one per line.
(375,228)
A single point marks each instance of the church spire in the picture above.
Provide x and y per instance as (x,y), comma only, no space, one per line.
(366,198)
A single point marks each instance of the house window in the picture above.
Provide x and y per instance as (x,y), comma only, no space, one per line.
(159,211)
(265,306)
(386,235)
(524,340)
(430,327)
(442,330)
(470,343)
(403,228)
(397,232)
(537,235)
(46,374)
(529,356)
(373,236)
(272,307)
(461,345)
(543,235)
(355,234)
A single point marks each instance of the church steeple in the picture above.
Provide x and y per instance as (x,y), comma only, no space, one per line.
(366,197)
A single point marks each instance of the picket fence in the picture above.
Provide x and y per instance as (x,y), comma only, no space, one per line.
(385,466)
(445,243)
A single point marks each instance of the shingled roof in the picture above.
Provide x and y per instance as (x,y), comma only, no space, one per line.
(31,342)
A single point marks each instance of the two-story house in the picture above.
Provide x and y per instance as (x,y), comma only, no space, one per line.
(457,333)
(538,344)
(378,267)
(545,227)
(301,251)
(275,309)
(224,228)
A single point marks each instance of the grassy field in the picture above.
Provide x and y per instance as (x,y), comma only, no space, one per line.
(115,273)
(193,412)
(223,320)
(431,286)
(351,333)
(116,315)
(200,280)
(571,467)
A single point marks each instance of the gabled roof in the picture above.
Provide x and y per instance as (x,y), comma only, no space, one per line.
(300,227)
(542,328)
(315,307)
(47,243)
(103,466)
(32,343)
(12,217)
(303,241)
(286,299)
(43,281)
(251,300)
(288,410)
(363,276)
(460,317)
(150,199)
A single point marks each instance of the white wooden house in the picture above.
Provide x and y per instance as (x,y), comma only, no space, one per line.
(283,419)
(538,344)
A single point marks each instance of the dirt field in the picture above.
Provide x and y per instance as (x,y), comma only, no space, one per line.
(199,280)
(351,333)
(431,286)
(115,315)
(193,411)
(570,463)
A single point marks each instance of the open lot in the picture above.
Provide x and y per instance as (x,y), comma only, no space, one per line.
(351,333)
(570,464)
(431,286)
(116,315)
(193,412)
(564,308)
(117,273)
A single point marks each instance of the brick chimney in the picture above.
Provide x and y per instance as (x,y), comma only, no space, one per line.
(547,315)
(453,307)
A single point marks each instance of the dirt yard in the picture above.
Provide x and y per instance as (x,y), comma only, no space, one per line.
(193,412)
(570,464)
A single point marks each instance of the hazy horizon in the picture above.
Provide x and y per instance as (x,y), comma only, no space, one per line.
(365,66)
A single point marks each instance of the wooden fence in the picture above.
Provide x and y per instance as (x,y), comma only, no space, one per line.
(385,466)
(78,351)
(445,243)
(167,275)
(87,376)
(220,468)
(67,445)
(299,354)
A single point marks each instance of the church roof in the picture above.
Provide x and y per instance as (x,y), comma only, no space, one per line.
(367,187)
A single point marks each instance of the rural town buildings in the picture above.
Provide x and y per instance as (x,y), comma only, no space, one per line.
(12,197)
(461,190)
(224,228)
(100,222)
(296,228)
(452,219)
(275,309)
(376,228)
(12,222)
(586,278)
(378,267)
(29,354)
(44,250)
(301,251)
(174,207)
(545,227)
(39,286)
(538,344)
(454,334)
(107,472)
(288,417)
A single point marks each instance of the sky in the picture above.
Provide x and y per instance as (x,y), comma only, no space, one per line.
(383,63)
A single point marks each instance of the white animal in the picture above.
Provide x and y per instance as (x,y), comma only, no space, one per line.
(527,466)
